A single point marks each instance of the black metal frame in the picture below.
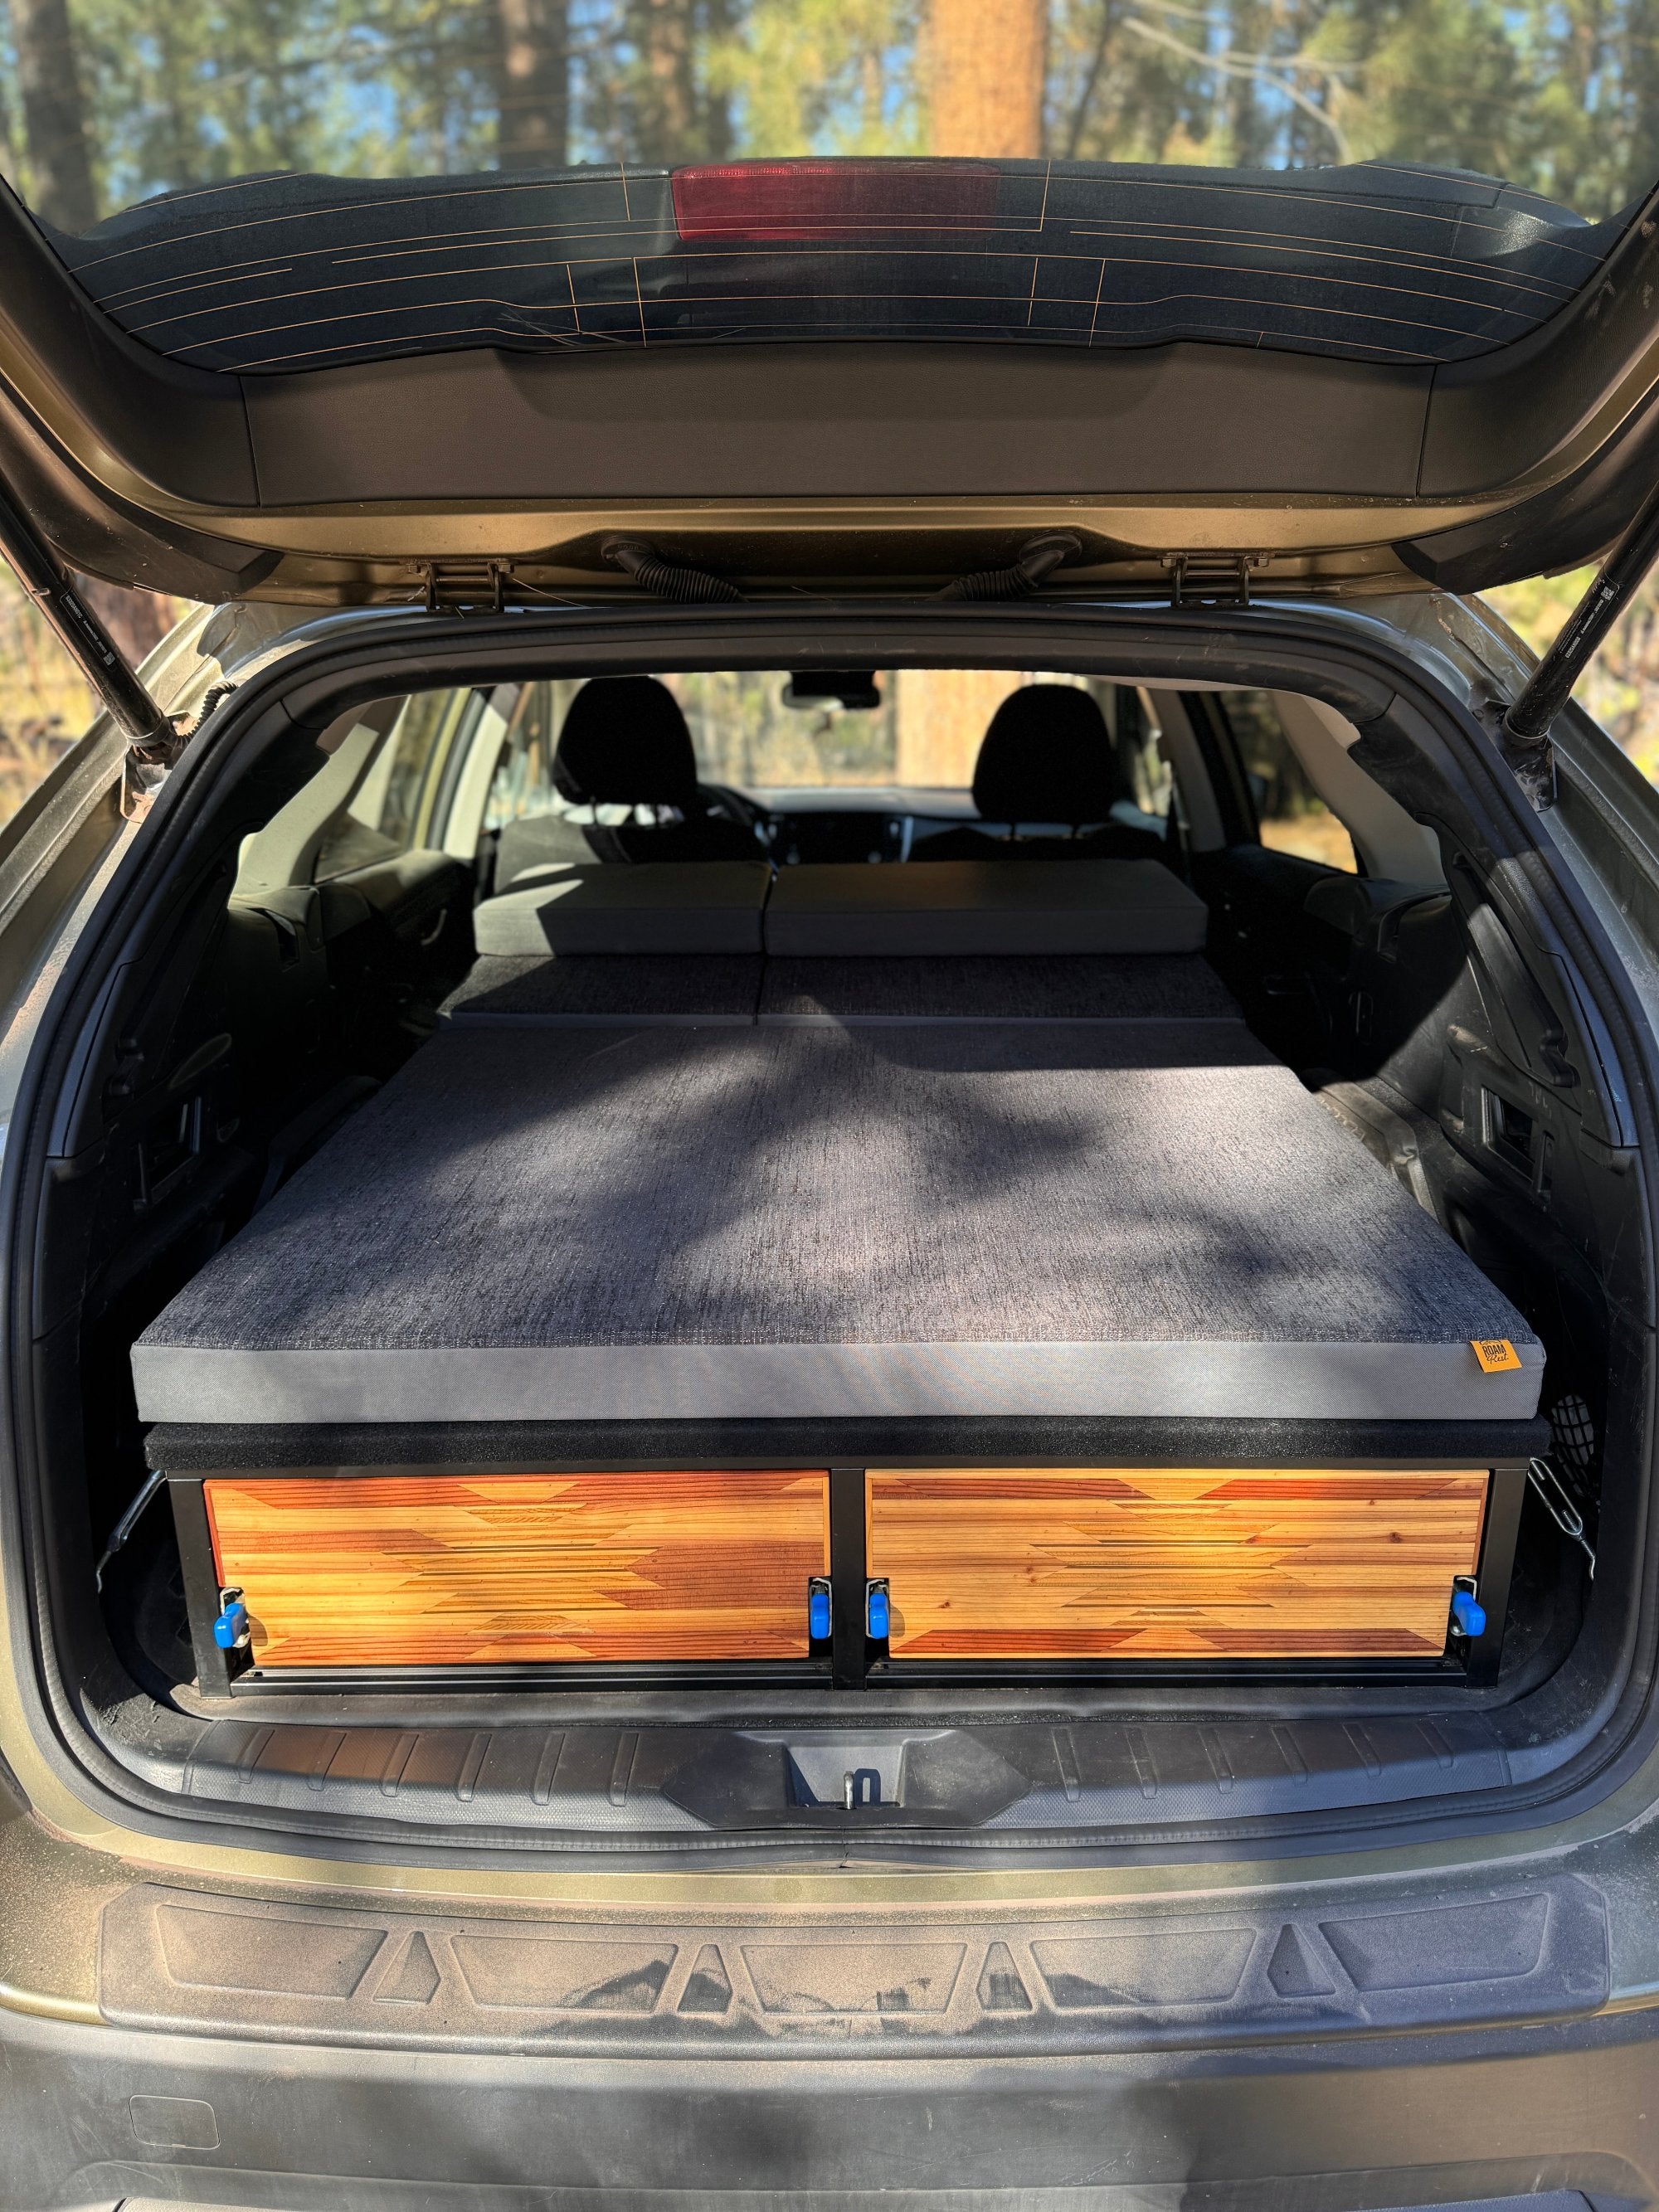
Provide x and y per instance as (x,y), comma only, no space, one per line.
(853,1662)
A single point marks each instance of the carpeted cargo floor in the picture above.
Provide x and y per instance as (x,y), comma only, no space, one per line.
(799,1220)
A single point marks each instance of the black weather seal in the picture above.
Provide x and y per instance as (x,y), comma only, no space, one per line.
(667,579)
(154,741)
(1523,734)
(1037,560)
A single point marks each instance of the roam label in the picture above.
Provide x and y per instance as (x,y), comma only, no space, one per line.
(1497,1355)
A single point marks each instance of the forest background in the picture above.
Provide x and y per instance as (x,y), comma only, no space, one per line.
(105,102)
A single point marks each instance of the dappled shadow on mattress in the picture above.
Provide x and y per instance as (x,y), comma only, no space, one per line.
(937,1185)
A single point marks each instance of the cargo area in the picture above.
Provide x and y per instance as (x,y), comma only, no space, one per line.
(832,1335)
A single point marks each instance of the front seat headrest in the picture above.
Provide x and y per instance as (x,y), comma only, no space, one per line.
(1047,758)
(625,744)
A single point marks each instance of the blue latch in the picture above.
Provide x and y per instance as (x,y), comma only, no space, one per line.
(1468,1615)
(230,1630)
(817,1612)
(878,1613)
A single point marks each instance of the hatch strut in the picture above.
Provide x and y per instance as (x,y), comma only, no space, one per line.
(1523,732)
(154,739)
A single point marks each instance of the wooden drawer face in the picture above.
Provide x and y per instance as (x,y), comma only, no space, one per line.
(496,1570)
(1186,1562)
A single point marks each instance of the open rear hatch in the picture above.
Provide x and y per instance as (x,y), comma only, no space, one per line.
(884,372)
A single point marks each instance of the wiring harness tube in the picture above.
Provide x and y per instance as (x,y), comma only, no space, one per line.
(667,579)
(1038,559)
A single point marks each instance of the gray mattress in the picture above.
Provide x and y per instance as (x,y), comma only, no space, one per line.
(807,1220)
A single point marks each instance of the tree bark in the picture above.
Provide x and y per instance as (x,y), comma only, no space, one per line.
(986,62)
(942,715)
(54,123)
(534,128)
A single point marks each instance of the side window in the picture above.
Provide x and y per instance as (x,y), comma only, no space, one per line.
(1138,741)
(521,787)
(522,784)
(1292,817)
(398,806)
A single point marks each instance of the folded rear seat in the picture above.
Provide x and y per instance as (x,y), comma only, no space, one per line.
(977,909)
(608,991)
(957,940)
(676,907)
(1035,987)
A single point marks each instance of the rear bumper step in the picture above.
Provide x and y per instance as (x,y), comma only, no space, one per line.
(488,1783)
(175,1961)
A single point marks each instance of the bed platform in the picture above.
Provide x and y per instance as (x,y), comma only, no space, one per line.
(1021,1296)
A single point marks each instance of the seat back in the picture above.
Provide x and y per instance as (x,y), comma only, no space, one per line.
(976,907)
(625,742)
(711,906)
(1047,756)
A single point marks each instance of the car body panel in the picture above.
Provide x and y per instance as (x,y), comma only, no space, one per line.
(514,2019)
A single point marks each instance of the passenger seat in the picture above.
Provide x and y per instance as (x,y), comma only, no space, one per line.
(625,742)
(1047,758)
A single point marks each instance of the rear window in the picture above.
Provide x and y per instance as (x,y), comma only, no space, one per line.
(278,188)
(765,731)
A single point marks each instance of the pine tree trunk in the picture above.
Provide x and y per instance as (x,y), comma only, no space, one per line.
(535,85)
(54,122)
(986,67)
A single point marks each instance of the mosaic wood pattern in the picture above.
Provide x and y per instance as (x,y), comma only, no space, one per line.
(1178,1563)
(491,1570)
